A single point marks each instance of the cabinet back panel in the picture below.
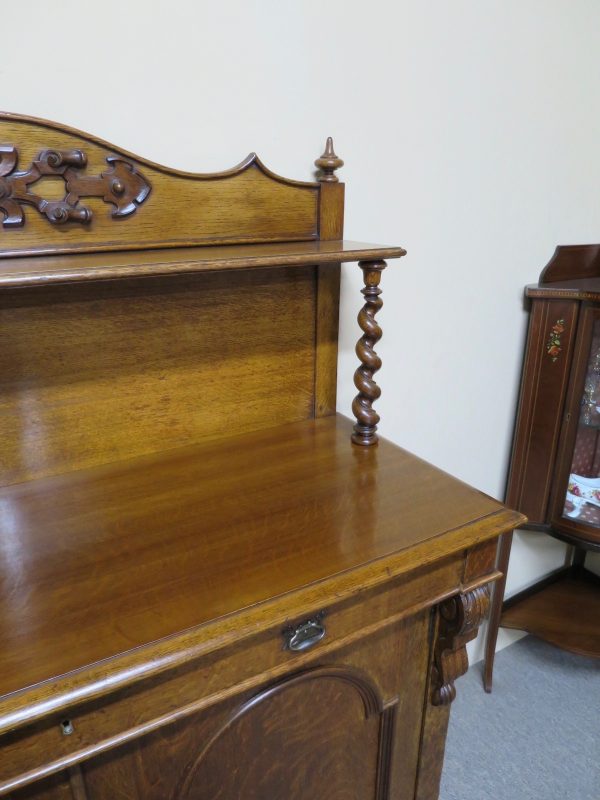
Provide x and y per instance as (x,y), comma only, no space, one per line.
(98,373)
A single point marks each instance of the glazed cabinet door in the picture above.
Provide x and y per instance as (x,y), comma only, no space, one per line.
(576,497)
(345,726)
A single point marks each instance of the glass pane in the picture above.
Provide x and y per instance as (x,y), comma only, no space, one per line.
(582,502)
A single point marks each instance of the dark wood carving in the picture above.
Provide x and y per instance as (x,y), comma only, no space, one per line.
(365,430)
(460,618)
(328,163)
(120,185)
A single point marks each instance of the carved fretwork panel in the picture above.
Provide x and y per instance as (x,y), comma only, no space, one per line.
(122,185)
(460,618)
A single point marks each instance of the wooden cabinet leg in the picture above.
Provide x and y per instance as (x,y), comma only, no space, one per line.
(578,562)
(504,546)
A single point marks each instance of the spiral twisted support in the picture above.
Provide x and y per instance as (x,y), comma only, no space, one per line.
(365,430)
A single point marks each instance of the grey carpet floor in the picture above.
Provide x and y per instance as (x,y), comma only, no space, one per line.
(536,737)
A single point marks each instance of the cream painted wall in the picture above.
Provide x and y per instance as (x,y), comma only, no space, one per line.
(470,132)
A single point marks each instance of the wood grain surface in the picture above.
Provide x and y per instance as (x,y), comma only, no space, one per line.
(91,374)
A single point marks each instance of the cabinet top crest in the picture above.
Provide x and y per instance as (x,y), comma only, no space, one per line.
(64,191)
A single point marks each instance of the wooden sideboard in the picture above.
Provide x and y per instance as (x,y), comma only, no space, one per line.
(212,585)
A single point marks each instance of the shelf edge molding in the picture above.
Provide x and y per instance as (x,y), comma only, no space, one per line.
(17,273)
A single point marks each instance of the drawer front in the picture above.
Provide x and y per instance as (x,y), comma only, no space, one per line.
(82,732)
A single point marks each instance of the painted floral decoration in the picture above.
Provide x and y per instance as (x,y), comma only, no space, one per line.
(553,347)
(585,492)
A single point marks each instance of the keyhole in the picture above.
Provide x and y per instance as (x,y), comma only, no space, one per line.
(66,727)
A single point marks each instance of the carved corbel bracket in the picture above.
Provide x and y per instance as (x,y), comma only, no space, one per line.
(122,185)
(459,621)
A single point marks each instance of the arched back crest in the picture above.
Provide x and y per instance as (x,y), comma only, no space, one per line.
(64,191)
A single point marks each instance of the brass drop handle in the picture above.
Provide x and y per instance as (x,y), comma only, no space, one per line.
(305,635)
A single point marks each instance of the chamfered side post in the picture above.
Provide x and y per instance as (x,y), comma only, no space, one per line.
(365,430)
(331,227)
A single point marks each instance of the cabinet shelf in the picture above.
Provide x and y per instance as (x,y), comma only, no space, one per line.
(563,612)
(19,272)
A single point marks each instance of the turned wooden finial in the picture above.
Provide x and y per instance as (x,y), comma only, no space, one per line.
(328,163)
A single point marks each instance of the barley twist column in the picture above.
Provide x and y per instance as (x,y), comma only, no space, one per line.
(365,430)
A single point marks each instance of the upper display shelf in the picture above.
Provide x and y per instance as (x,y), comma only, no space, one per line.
(41,270)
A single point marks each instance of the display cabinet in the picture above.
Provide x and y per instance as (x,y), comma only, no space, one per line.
(554,475)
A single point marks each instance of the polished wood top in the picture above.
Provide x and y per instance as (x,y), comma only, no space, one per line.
(101,561)
(40,270)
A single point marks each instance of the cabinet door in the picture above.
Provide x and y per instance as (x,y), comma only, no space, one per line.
(550,342)
(343,727)
(576,497)
(311,735)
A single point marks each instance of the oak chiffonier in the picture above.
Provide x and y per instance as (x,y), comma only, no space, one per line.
(212,585)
